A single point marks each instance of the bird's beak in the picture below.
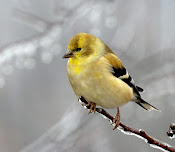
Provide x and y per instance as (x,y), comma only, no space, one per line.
(68,54)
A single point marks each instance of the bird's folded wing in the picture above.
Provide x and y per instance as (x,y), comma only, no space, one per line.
(119,71)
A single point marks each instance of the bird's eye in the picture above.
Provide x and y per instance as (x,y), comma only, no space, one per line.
(78,49)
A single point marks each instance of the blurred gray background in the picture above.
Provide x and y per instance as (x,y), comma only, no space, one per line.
(38,109)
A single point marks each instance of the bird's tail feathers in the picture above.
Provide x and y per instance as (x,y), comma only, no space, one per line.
(146,105)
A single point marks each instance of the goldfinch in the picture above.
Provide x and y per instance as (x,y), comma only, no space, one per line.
(98,75)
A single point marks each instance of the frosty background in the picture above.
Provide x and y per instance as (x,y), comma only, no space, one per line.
(38,109)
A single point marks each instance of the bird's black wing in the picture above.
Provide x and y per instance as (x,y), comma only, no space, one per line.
(123,74)
(119,71)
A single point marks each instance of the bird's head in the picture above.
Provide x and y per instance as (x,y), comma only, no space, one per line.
(84,45)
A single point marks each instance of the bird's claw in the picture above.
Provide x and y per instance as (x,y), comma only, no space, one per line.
(92,107)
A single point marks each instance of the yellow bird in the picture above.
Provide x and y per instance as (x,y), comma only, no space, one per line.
(99,76)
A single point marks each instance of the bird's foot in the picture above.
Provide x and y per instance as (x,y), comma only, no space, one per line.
(116,120)
(92,107)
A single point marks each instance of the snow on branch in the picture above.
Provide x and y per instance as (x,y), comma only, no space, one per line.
(171,131)
(130,131)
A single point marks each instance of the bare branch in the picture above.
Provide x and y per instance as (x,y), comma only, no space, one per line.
(130,131)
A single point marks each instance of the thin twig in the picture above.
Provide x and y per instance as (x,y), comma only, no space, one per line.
(130,131)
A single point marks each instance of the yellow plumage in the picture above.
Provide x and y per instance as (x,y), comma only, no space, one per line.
(98,75)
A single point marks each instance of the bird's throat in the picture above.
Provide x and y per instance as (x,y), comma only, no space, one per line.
(76,65)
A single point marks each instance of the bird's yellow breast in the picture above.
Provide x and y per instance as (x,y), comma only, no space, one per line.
(76,65)
(95,82)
